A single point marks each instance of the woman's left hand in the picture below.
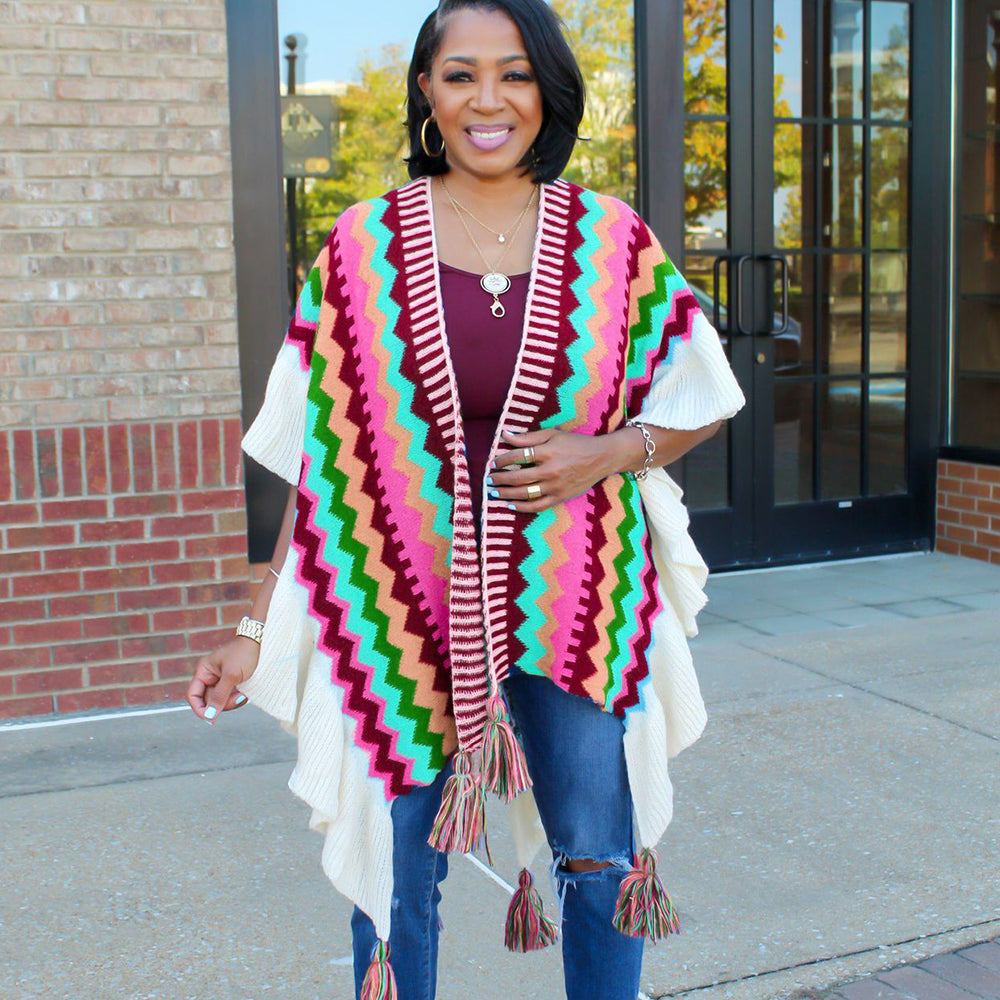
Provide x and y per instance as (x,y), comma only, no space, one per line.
(565,464)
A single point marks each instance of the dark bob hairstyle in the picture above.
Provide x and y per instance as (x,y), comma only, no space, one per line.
(559,80)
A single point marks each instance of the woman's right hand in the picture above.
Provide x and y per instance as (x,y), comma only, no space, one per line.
(213,689)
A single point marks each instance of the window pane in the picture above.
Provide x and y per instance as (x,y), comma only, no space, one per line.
(979,338)
(844,58)
(794,80)
(840,447)
(887,312)
(890,60)
(706,473)
(978,406)
(794,173)
(793,442)
(793,349)
(840,315)
(705,186)
(890,167)
(354,64)
(886,436)
(843,175)
(705,68)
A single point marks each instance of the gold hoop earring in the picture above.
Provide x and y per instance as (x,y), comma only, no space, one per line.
(423,140)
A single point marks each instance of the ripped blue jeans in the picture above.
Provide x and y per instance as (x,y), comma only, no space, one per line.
(576,759)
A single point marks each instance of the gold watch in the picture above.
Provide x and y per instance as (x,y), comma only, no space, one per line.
(251,628)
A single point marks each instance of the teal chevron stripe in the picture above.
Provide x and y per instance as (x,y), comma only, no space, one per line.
(583,291)
(535,584)
(628,592)
(311,297)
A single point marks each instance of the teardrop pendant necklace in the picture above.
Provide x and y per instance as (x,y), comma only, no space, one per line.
(494,282)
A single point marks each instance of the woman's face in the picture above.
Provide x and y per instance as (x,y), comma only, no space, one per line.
(483,94)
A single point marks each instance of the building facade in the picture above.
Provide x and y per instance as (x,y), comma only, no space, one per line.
(822,171)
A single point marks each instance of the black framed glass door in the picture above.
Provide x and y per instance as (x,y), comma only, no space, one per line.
(798,236)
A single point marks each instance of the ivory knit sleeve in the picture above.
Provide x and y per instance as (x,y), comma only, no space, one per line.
(276,437)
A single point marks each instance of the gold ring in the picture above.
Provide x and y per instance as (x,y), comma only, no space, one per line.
(529,454)
(534,491)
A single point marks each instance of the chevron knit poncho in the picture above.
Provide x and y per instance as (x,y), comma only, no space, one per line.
(387,636)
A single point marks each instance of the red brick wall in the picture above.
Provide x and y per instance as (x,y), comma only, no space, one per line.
(968,510)
(122,559)
(122,519)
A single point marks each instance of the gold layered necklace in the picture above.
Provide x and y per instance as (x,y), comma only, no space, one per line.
(494,282)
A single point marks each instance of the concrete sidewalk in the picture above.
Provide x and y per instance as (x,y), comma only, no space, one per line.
(839,817)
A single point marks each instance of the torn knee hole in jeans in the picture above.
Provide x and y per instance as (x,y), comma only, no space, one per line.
(569,869)
(605,866)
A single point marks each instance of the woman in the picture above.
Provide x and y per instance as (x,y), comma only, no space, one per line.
(483,581)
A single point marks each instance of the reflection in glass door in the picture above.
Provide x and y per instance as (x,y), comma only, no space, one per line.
(796,211)
(841,163)
(835,281)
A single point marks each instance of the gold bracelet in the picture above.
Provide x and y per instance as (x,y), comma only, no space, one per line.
(251,628)
(650,446)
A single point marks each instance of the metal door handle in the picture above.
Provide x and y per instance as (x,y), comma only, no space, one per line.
(738,310)
(715,291)
(783,261)
(740,261)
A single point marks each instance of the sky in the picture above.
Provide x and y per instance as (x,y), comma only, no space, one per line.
(338,32)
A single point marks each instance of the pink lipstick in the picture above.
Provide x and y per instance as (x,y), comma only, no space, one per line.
(488,137)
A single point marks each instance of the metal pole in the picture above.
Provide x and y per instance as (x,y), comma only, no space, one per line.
(291,185)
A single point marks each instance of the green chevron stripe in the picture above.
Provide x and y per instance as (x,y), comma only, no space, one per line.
(627,592)
(646,334)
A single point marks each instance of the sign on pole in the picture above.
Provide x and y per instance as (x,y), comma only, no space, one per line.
(309,133)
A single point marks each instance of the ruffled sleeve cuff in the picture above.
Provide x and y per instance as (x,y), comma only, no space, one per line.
(694,385)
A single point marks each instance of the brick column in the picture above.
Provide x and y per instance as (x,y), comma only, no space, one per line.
(122,512)
(968,510)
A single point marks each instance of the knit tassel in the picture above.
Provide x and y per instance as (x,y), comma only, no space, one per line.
(461,821)
(505,770)
(528,929)
(644,907)
(379,982)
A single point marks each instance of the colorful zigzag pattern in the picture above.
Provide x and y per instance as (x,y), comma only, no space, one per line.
(384,517)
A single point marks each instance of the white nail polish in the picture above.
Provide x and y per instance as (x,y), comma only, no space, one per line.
(211,712)
(240,699)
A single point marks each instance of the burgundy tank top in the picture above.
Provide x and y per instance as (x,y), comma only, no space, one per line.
(483,354)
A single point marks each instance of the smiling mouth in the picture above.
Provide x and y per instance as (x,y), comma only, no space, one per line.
(488,138)
(489,134)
